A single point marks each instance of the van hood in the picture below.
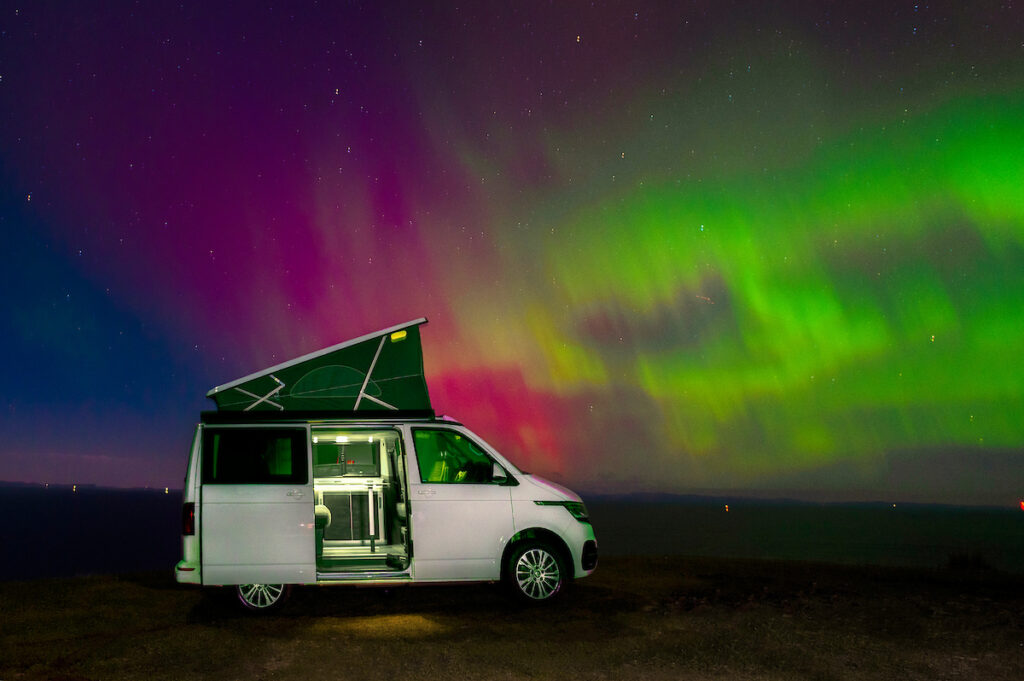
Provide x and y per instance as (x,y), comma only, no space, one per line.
(552,491)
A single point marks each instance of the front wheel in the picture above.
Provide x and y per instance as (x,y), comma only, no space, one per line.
(262,597)
(536,572)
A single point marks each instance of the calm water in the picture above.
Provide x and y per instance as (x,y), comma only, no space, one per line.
(908,535)
(56,532)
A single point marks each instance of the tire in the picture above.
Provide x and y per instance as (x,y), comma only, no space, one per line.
(536,572)
(262,598)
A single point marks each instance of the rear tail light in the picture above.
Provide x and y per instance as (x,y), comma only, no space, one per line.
(188,518)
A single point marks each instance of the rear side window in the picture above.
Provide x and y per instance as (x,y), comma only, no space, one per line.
(238,456)
(346,454)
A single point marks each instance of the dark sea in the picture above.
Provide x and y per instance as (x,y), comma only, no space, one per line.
(57,532)
(905,535)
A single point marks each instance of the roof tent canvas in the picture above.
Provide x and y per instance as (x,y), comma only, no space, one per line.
(375,372)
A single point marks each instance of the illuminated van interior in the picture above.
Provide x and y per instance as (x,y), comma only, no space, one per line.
(359,488)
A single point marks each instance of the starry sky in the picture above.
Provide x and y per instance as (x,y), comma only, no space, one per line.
(765,248)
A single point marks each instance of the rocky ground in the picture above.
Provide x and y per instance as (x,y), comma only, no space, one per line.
(635,618)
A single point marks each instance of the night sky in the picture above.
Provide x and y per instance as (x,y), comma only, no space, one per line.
(768,247)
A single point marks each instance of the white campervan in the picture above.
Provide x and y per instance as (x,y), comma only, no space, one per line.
(333,469)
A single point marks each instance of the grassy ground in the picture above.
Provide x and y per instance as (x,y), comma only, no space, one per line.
(636,618)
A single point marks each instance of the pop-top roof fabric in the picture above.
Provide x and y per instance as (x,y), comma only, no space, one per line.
(381,371)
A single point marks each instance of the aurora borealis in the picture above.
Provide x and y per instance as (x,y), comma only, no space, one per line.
(662,248)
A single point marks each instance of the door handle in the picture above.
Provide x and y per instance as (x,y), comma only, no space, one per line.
(426,492)
(296,493)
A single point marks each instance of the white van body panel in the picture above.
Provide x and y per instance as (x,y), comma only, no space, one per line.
(459,530)
(543,489)
(258,533)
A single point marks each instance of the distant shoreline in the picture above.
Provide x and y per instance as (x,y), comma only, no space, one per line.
(746,496)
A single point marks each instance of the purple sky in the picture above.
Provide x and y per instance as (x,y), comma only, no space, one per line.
(662,247)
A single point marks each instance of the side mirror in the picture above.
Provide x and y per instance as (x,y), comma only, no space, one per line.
(498,474)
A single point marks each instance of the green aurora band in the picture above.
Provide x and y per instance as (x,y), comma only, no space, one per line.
(865,302)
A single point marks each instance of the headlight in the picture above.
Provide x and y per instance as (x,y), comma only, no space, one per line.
(575,508)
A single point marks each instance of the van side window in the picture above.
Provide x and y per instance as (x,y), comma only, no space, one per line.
(349,453)
(448,457)
(238,456)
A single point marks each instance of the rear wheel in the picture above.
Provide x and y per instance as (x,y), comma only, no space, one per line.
(262,597)
(536,572)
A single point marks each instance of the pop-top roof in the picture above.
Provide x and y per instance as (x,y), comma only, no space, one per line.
(378,371)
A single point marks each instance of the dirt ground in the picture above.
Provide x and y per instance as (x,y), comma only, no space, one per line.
(635,618)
